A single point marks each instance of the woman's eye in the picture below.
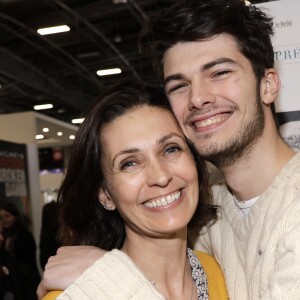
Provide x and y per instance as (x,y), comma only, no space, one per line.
(127,164)
(173,149)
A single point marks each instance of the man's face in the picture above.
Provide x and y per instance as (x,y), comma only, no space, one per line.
(213,92)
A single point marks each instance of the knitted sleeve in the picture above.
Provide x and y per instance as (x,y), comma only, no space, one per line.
(284,283)
(285,280)
(105,280)
(200,241)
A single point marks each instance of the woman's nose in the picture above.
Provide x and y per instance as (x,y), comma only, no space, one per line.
(158,174)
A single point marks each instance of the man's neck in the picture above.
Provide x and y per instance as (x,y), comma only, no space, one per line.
(251,175)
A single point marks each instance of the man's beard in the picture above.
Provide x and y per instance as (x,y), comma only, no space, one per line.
(240,146)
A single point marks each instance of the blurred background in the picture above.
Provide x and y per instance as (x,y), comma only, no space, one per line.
(48,79)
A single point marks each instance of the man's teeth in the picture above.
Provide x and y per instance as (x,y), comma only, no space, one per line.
(210,121)
(163,201)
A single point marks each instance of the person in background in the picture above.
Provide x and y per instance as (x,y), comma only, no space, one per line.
(216,60)
(8,284)
(134,183)
(49,232)
(18,243)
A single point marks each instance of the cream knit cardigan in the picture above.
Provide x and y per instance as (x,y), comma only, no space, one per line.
(114,276)
(259,254)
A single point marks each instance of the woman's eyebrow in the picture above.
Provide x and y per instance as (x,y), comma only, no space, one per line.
(122,152)
(167,137)
(135,150)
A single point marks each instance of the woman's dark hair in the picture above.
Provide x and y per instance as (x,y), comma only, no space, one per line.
(21,221)
(84,221)
(50,217)
(195,20)
(11,208)
(49,232)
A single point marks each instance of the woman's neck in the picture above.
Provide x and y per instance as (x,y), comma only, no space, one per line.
(163,261)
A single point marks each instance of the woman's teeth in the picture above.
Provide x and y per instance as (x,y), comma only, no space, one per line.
(163,201)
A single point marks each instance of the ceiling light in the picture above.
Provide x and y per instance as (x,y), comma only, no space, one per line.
(54,29)
(72,137)
(77,121)
(109,72)
(59,133)
(117,39)
(61,110)
(42,106)
(45,129)
(88,54)
(39,137)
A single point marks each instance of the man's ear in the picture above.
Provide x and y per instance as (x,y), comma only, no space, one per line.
(269,87)
(105,199)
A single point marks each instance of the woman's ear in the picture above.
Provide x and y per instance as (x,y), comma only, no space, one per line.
(269,87)
(105,199)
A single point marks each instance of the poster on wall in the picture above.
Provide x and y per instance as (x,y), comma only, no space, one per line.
(286,42)
(13,175)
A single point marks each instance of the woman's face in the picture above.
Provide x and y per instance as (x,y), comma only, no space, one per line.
(150,175)
(7,218)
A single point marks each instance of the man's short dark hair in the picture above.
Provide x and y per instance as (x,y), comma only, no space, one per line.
(196,20)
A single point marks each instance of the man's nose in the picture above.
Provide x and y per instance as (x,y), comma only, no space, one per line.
(201,94)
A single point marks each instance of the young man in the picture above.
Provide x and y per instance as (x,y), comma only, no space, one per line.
(216,60)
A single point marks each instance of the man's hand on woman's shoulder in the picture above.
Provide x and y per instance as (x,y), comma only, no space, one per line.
(66,266)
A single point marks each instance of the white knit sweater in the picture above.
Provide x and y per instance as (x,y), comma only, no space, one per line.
(260,254)
(114,276)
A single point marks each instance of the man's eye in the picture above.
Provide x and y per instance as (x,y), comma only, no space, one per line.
(221,73)
(176,88)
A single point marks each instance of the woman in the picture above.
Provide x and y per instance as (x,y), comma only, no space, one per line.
(8,286)
(133,183)
(19,251)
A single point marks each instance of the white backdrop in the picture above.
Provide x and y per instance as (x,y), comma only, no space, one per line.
(286,42)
